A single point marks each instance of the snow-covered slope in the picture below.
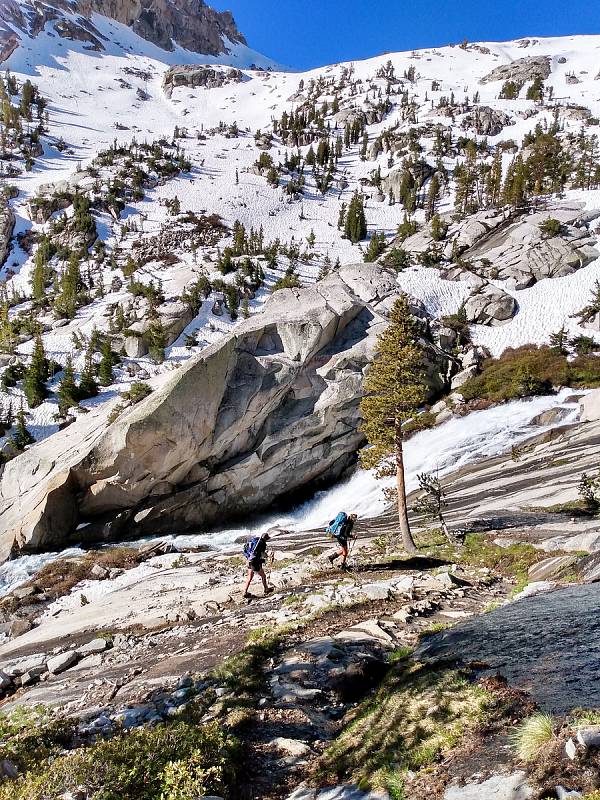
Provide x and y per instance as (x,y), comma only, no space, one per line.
(103,101)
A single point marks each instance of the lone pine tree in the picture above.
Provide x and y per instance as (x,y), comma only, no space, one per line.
(34,384)
(67,391)
(355,226)
(394,390)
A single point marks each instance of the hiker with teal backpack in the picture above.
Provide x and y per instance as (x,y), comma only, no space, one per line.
(340,529)
(255,551)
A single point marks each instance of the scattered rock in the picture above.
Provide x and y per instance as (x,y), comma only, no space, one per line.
(571,749)
(95,646)
(62,662)
(498,787)
(490,305)
(590,736)
(590,406)
(293,747)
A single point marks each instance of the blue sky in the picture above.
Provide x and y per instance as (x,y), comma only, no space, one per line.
(316,32)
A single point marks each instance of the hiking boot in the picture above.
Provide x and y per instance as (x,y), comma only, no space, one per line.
(344,567)
(270,590)
(331,559)
(246,595)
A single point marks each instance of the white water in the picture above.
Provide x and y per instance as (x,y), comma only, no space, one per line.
(459,441)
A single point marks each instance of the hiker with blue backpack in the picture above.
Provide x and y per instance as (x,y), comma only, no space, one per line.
(340,529)
(255,551)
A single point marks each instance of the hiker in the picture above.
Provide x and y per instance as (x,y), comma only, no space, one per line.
(255,551)
(341,529)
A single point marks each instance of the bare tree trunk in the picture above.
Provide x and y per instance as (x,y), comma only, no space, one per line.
(451,538)
(407,539)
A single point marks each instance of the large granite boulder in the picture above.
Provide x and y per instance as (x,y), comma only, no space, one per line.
(271,408)
(192,76)
(490,305)
(520,70)
(521,254)
(486,121)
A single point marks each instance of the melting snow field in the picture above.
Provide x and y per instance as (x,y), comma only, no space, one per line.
(459,441)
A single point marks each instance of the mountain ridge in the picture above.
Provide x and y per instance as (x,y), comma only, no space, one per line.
(190,24)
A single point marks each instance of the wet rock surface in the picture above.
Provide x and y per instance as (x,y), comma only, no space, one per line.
(548,645)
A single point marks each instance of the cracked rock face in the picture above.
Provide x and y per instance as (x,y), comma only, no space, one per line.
(270,409)
(188,23)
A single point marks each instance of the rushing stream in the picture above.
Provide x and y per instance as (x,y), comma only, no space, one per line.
(459,441)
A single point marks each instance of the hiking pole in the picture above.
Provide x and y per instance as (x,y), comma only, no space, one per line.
(271,560)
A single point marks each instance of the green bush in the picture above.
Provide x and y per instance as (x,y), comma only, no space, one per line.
(529,371)
(170,762)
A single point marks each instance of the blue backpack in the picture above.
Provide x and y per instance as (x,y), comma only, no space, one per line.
(250,547)
(336,525)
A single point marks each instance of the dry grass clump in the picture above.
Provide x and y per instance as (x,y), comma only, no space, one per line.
(532,735)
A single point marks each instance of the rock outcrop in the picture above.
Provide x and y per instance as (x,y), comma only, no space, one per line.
(7,226)
(189,23)
(270,409)
(489,305)
(192,76)
(486,121)
(520,70)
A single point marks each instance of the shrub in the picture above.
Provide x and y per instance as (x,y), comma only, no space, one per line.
(528,371)
(532,735)
(551,227)
(290,281)
(138,392)
(146,764)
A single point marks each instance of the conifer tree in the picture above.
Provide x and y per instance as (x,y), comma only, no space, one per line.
(559,341)
(34,383)
(394,390)
(355,226)
(88,386)
(376,247)
(157,341)
(105,368)
(67,391)
(22,437)
(433,196)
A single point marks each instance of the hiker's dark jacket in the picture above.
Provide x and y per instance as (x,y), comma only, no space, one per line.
(346,531)
(258,557)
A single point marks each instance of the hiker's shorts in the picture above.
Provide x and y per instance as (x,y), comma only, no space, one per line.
(256,564)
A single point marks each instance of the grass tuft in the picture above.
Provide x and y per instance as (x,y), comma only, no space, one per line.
(532,735)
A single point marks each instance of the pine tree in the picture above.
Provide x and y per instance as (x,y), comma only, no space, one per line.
(376,247)
(559,341)
(67,391)
(157,341)
(66,302)
(105,368)
(22,437)
(34,383)
(355,227)
(27,97)
(433,196)
(394,390)
(87,384)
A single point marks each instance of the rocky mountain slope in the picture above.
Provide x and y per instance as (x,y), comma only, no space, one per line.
(155,198)
(189,24)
